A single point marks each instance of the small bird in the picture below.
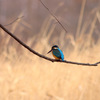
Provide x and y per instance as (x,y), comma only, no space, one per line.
(57,53)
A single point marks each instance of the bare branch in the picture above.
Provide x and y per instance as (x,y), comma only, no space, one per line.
(53,16)
(14,21)
(42,56)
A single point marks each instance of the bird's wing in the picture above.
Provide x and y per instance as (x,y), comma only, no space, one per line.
(58,53)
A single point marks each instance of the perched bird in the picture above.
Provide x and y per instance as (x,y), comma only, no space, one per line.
(57,53)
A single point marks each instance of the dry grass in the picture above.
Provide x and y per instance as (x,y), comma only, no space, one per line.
(31,78)
(24,76)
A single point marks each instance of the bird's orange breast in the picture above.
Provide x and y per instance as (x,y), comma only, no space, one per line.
(55,56)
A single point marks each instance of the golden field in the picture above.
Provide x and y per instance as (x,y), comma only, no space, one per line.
(25,76)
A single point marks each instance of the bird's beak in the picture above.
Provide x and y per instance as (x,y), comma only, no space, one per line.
(49,51)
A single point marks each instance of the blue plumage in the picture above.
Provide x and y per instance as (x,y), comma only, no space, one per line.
(57,53)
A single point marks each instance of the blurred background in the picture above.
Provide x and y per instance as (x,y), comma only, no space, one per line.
(24,76)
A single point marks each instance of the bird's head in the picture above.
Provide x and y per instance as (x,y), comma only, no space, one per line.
(53,48)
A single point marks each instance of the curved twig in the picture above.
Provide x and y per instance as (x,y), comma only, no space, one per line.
(14,21)
(53,16)
(42,56)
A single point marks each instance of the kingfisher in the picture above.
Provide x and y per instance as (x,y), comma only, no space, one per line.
(57,53)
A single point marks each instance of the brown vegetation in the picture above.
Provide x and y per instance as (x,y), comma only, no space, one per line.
(24,76)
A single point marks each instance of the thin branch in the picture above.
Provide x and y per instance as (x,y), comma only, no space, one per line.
(42,56)
(53,16)
(14,20)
